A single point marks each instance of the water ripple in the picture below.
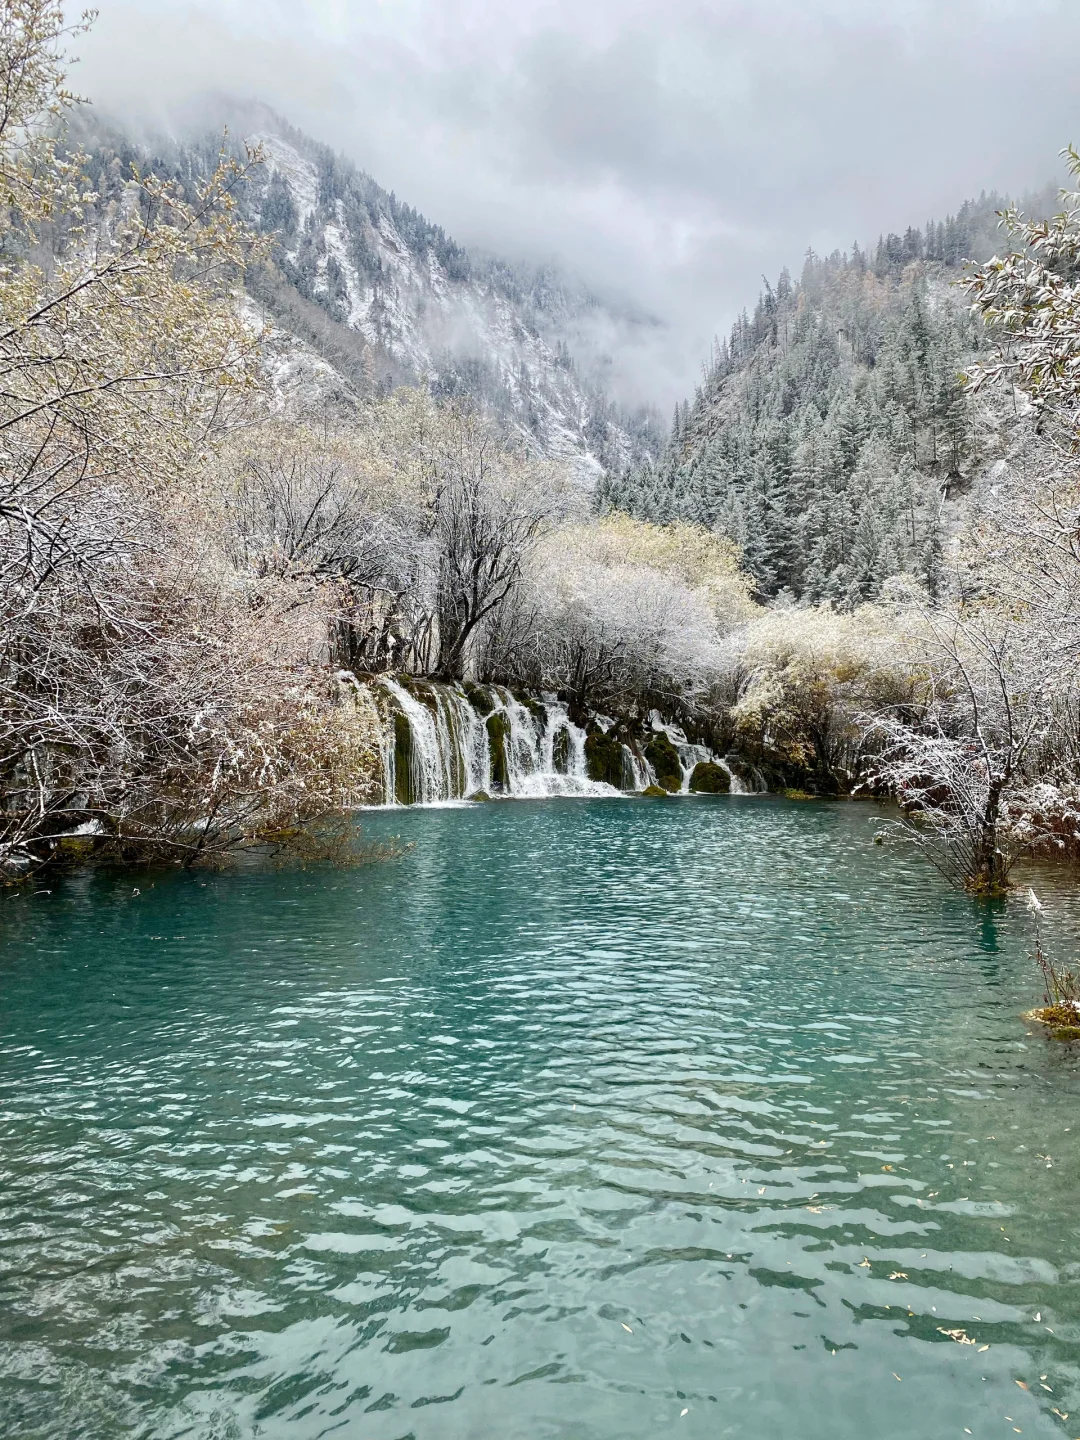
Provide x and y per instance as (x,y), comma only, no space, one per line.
(582,1120)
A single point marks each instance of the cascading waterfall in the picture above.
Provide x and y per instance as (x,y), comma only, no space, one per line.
(691,755)
(448,742)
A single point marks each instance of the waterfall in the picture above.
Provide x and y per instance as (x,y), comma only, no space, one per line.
(442,743)
(448,742)
(691,755)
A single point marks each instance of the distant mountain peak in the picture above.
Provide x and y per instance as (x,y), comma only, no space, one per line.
(369,287)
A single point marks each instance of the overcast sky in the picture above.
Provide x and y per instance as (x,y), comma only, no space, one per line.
(672,150)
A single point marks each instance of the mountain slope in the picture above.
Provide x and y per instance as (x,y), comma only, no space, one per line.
(384,297)
(832,429)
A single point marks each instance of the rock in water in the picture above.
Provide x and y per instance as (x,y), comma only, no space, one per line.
(710,779)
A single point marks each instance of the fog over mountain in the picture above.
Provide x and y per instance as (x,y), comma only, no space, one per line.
(671,152)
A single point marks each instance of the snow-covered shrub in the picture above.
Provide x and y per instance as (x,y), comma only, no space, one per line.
(799,679)
(623,615)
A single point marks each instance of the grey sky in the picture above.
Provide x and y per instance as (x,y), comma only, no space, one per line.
(670,149)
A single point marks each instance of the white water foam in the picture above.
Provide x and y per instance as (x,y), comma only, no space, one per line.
(449,746)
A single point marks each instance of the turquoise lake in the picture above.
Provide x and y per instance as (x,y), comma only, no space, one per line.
(587,1119)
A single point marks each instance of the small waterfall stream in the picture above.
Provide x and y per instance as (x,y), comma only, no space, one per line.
(691,755)
(448,742)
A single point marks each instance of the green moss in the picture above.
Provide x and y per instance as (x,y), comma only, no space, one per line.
(536,708)
(498,731)
(560,751)
(480,796)
(458,773)
(629,774)
(656,792)
(427,696)
(480,698)
(73,850)
(604,758)
(710,779)
(798,795)
(403,749)
(664,759)
(1060,1020)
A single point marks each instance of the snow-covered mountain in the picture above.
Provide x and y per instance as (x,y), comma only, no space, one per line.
(366,294)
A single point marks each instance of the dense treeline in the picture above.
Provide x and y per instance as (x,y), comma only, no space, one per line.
(938,661)
(833,422)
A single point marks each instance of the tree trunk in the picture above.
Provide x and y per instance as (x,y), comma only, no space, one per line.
(990,870)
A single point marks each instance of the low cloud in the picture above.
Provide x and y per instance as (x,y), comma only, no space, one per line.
(673,152)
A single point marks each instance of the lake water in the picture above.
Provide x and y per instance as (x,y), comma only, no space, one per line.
(584,1119)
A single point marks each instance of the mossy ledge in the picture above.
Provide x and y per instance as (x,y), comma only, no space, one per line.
(604,758)
(480,698)
(664,759)
(1062,1021)
(560,751)
(498,730)
(403,751)
(710,779)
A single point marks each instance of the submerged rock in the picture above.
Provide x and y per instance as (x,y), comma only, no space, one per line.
(710,779)
(479,796)
(656,792)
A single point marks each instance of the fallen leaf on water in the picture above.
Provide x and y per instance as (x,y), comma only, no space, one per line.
(982,1348)
(895,1376)
(864,1264)
(626,1328)
(683,1412)
(898,1275)
(959,1336)
(1022,1385)
(886,1167)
